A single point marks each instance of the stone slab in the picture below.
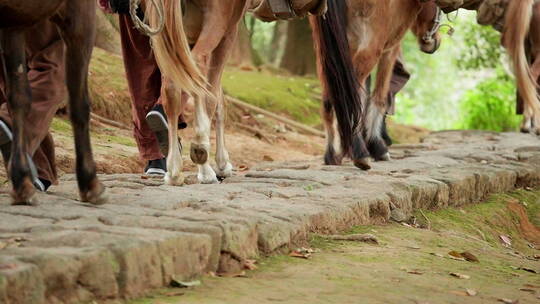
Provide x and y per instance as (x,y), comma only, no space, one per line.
(70,252)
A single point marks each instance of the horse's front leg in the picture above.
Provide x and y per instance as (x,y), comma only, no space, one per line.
(378,106)
(172,104)
(21,171)
(77,27)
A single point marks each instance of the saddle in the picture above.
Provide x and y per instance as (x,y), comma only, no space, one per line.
(282,9)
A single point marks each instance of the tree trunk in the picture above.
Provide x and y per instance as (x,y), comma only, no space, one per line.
(278,42)
(299,56)
(242,53)
(107,36)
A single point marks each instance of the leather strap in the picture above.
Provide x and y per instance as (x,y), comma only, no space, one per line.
(282,9)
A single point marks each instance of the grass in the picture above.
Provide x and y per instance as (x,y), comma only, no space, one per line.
(296,97)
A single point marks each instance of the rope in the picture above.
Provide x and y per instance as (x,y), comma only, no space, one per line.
(140,25)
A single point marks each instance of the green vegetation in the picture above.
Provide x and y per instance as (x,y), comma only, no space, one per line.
(296,97)
(490,106)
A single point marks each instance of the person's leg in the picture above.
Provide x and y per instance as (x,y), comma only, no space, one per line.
(400,77)
(144,80)
(45,54)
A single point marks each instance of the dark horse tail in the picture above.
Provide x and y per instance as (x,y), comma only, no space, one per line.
(336,71)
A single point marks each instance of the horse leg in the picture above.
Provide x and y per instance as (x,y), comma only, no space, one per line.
(19,102)
(218,61)
(77,28)
(172,105)
(200,148)
(333,155)
(377,107)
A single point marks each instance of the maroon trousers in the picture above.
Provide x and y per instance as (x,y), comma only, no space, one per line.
(144,80)
(45,61)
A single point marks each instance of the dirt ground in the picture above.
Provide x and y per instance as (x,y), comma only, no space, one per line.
(410,265)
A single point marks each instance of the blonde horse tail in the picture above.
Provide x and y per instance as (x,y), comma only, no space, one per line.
(171,49)
(517,24)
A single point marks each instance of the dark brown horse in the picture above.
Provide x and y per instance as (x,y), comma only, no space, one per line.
(375,29)
(75,20)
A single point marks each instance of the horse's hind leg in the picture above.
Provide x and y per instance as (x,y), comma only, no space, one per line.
(172,98)
(77,29)
(333,155)
(19,102)
(377,107)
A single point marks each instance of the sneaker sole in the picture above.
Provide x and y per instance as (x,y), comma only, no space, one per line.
(155,172)
(159,126)
(5,140)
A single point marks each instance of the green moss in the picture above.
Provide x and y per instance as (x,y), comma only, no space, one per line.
(296,97)
(61,126)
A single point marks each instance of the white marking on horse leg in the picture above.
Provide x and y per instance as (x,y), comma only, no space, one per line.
(174,175)
(336,142)
(374,122)
(224,166)
(200,148)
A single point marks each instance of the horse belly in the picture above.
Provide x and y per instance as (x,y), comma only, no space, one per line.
(193,21)
(17,13)
(360,34)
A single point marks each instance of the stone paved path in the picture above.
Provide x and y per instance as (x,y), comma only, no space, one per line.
(63,251)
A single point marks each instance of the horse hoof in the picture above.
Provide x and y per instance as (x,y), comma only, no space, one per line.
(25,194)
(199,154)
(208,179)
(362,164)
(174,180)
(31,201)
(384,157)
(96,196)
(224,173)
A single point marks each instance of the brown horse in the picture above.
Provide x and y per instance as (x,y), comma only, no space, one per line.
(513,18)
(211,29)
(76,22)
(374,41)
(533,49)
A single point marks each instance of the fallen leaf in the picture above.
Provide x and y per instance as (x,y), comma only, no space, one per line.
(250,264)
(415,272)
(454,255)
(367,238)
(460,276)
(268,158)
(471,292)
(470,257)
(175,294)
(241,274)
(175,282)
(528,270)
(304,253)
(506,240)
(243,168)
(528,290)
(7,266)
(508,301)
